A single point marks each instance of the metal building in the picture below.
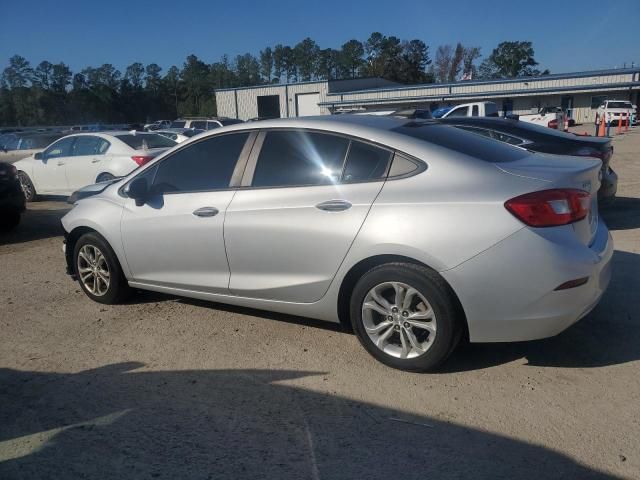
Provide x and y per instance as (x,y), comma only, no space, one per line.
(579,93)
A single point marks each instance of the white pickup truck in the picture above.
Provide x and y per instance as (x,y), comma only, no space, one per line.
(477,109)
(617,110)
(552,117)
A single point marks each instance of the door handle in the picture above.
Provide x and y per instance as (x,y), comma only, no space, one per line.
(334,205)
(60,163)
(95,160)
(206,212)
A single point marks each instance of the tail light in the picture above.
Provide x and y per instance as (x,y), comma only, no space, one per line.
(9,171)
(553,123)
(142,159)
(550,208)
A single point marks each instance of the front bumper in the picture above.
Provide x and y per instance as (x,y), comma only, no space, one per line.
(508,292)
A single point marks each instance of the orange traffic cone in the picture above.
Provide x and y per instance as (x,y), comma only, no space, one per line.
(626,122)
(602,132)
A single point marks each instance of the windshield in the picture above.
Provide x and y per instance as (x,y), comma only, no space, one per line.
(618,105)
(463,142)
(146,141)
(438,113)
(178,124)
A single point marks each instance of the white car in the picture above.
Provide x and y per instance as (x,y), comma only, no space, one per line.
(179,135)
(618,110)
(85,158)
(552,117)
(204,123)
(476,109)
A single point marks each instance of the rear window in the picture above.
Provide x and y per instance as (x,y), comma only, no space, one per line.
(462,142)
(146,141)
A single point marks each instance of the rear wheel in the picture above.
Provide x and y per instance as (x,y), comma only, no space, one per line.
(405,316)
(27,187)
(98,270)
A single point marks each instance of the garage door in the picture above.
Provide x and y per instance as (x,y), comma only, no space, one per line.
(307,104)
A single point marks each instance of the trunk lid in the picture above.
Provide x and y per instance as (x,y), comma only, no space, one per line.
(581,173)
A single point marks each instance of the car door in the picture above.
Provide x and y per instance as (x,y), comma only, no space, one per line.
(291,225)
(49,173)
(86,161)
(175,239)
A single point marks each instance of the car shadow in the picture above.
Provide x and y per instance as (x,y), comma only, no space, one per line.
(622,214)
(609,335)
(125,421)
(41,220)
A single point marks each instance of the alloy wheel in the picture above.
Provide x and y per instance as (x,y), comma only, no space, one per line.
(399,320)
(93,270)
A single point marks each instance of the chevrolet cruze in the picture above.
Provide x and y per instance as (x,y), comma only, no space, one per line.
(413,233)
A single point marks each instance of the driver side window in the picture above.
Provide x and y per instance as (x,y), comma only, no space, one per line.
(62,148)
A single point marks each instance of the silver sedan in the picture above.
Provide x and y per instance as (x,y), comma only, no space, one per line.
(412,233)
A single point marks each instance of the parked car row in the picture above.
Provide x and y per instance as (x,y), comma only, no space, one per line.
(414,232)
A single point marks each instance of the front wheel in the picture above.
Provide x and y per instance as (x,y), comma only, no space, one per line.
(27,187)
(98,270)
(405,316)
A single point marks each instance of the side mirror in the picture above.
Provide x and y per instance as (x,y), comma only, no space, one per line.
(139,191)
(39,156)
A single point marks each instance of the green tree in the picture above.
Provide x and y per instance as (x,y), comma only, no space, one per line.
(194,75)
(266,64)
(328,63)
(135,74)
(18,74)
(306,59)
(351,58)
(510,60)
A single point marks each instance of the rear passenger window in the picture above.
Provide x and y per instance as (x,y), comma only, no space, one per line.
(291,158)
(201,166)
(365,162)
(201,124)
(212,125)
(85,146)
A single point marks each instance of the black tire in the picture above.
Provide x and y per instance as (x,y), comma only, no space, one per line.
(104,177)
(29,190)
(9,220)
(434,289)
(118,288)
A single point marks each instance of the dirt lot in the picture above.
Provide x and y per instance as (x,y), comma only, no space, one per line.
(173,388)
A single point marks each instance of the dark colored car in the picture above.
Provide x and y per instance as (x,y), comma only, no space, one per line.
(545,140)
(12,201)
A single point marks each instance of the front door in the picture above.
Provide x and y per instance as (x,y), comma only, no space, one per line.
(49,173)
(176,238)
(288,230)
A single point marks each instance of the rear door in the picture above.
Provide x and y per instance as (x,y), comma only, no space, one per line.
(301,205)
(86,161)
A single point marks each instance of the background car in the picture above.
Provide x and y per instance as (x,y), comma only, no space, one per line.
(12,201)
(21,145)
(413,232)
(204,123)
(179,135)
(157,125)
(439,112)
(81,159)
(546,140)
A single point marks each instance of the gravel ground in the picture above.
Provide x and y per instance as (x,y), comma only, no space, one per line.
(172,388)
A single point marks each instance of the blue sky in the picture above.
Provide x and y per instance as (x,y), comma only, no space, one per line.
(567,35)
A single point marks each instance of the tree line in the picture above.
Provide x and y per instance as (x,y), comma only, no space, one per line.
(51,94)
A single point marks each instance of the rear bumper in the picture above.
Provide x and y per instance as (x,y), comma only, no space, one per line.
(609,186)
(508,292)
(11,198)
